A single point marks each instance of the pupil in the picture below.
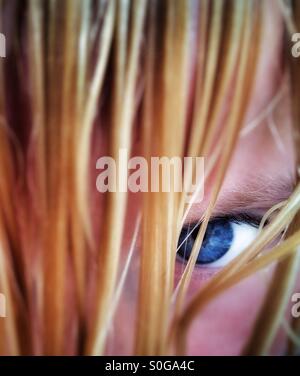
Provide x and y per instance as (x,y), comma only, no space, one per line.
(217,241)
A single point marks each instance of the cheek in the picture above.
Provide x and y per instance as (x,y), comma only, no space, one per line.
(225,324)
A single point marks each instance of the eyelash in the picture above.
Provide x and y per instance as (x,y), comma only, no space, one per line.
(221,239)
(246,218)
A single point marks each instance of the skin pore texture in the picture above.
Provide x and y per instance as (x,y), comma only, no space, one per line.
(260,175)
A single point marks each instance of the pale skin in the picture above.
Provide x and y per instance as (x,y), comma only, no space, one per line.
(260,175)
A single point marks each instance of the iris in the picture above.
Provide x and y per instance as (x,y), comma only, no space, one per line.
(217,241)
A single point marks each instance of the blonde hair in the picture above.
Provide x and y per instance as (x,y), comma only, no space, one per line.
(118,63)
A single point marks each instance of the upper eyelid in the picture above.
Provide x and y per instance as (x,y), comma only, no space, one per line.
(253,198)
(248,218)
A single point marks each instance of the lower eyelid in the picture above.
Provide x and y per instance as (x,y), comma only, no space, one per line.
(204,272)
(201,274)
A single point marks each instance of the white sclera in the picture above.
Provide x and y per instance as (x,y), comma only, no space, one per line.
(243,235)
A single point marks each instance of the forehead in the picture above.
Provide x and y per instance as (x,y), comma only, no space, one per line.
(261,171)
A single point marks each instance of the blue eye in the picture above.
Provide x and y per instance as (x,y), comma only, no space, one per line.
(224,239)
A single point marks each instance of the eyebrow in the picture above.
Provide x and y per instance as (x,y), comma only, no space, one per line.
(254,196)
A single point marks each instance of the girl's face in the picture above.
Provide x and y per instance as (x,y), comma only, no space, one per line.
(260,175)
